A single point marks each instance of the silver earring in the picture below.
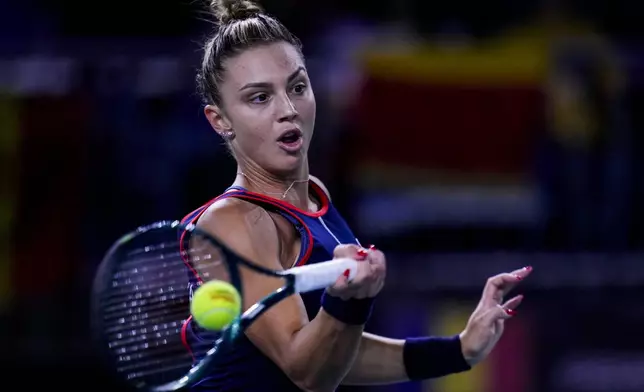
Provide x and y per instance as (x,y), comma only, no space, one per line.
(228,135)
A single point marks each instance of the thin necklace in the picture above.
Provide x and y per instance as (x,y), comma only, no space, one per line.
(275,193)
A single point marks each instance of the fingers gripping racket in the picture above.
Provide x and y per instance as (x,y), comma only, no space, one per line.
(141,300)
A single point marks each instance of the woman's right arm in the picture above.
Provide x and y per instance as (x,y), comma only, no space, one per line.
(316,355)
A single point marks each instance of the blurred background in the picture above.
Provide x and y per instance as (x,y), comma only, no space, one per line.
(463,138)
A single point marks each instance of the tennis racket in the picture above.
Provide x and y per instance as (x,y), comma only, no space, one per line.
(141,300)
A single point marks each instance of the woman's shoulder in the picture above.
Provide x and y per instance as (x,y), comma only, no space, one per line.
(232,211)
(244,227)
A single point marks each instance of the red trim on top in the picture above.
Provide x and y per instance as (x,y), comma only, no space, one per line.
(184,336)
(185,218)
(322,196)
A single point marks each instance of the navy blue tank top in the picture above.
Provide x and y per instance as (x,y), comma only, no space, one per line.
(246,368)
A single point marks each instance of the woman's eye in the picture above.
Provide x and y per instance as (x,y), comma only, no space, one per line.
(299,88)
(259,98)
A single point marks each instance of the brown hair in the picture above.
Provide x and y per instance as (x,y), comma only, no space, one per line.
(240,24)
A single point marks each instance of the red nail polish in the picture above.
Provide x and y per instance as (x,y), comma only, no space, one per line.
(362,253)
(511,312)
(528,268)
(346,273)
(372,247)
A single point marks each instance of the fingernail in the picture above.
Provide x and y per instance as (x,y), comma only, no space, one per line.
(517,277)
(372,247)
(346,273)
(511,312)
(528,268)
(362,253)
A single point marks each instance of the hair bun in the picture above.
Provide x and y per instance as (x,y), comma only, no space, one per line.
(227,11)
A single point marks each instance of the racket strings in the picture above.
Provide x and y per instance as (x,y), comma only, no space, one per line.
(164,355)
(147,277)
(144,324)
(131,304)
(145,308)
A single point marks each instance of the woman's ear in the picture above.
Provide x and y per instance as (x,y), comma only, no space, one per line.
(219,122)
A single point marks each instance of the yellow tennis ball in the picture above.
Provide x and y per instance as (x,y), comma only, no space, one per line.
(215,304)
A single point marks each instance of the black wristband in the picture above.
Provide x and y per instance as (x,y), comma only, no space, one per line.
(432,357)
(351,311)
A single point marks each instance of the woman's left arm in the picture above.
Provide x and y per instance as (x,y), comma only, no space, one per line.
(382,360)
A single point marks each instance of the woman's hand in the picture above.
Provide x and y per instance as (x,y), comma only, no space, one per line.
(370,277)
(485,326)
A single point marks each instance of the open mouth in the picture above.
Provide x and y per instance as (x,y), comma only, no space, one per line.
(290,137)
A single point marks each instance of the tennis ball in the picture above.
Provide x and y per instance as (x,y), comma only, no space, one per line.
(215,304)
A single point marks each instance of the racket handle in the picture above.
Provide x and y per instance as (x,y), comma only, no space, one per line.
(322,275)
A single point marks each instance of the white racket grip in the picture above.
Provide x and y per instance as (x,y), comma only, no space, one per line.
(322,275)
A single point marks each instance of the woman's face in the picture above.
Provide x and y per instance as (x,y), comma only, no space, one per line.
(269,106)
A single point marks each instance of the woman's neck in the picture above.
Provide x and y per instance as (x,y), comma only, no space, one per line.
(292,189)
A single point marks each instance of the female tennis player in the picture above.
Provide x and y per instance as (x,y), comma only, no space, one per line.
(259,99)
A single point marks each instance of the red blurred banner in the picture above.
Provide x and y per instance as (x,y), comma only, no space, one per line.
(470,112)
